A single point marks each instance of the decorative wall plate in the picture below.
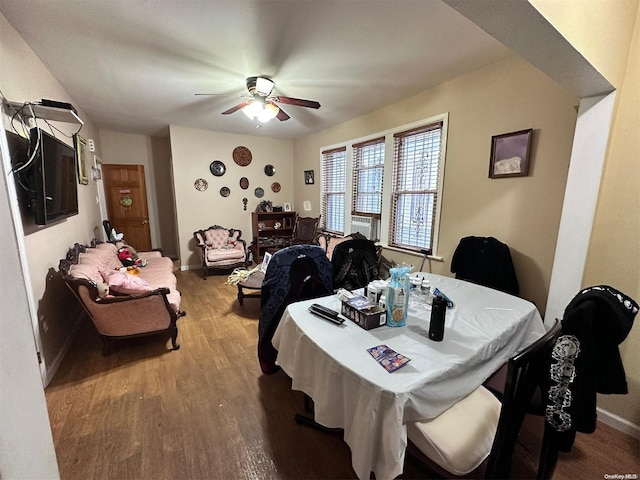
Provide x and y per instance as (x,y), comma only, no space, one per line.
(269,170)
(244,183)
(259,192)
(201,184)
(242,156)
(224,191)
(217,168)
(275,187)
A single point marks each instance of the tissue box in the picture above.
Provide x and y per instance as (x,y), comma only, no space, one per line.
(366,314)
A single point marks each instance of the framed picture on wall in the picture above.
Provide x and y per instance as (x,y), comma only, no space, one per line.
(308,177)
(80,144)
(510,154)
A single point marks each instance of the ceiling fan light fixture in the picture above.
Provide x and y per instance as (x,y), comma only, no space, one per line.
(264,86)
(262,112)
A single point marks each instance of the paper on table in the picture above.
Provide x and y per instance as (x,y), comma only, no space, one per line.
(388,358)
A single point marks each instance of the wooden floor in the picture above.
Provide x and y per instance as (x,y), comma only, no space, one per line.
(206,411)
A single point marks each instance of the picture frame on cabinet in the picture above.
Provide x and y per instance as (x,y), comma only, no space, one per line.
(287,207)
(265,262)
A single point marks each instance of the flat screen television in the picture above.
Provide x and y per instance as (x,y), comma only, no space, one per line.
(53,178)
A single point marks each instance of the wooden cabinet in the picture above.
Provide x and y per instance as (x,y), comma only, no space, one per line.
(271,231)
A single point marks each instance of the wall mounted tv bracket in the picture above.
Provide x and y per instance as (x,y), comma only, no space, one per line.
(48,109)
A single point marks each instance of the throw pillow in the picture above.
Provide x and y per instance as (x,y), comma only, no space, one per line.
(121,282)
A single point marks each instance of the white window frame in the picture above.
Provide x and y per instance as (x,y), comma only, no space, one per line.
(324,193)
(357,188)
(388,175)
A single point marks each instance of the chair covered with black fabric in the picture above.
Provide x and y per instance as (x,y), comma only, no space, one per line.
(585,361)
(304,230)
(486,261)
(475,438)
(294,273)
(355,264)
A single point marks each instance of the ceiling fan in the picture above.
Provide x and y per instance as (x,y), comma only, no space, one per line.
(261,104)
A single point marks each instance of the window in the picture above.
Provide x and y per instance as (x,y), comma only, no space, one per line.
(407,204)
(334,184)
(368,165)
(414,196)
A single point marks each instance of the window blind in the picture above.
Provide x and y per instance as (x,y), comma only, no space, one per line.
(334,185)
(368,166)
(415,193)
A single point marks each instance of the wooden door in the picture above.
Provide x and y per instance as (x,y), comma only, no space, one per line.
(126,194)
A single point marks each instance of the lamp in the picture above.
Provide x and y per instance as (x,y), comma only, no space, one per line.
(261,111)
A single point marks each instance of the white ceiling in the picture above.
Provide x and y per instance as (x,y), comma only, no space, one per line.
(135,65)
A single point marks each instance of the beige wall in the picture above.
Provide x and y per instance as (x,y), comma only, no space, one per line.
(601,30)
(26,444)
(614,251)
(154,153)
(165,199)
(25,78)
(192,153)
(522,212)
(135,149)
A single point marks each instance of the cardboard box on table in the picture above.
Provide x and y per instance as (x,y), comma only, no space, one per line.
(364,313)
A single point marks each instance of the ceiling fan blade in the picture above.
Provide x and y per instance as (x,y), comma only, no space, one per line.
(282,116)
(296,101)
(236,108)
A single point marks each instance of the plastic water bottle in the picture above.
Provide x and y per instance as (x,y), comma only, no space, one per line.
(398,297)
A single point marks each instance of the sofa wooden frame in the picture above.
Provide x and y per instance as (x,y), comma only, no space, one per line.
(152,311)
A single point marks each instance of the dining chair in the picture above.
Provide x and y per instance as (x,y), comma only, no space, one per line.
(295,273)
(355,263)
(585,362)
(304,230)
(485,261)
(475,438)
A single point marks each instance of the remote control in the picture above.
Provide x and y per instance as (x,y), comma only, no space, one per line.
(321,309)
(336,320)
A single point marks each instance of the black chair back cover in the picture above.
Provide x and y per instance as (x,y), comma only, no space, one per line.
(585,361)
(355,264)
(485,261)
(295,273)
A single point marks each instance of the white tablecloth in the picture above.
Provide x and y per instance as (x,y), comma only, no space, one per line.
(330,363)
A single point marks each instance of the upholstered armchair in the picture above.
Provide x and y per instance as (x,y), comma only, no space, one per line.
(222,249)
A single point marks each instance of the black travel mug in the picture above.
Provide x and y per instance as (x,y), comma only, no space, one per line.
(436,325)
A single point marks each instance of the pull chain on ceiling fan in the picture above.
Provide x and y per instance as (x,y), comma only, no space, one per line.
(261,105)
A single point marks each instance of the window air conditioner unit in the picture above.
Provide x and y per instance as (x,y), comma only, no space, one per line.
(367,226)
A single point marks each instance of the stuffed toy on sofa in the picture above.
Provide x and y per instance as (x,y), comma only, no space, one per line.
(129,257)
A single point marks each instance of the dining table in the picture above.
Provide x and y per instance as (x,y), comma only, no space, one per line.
(331,363)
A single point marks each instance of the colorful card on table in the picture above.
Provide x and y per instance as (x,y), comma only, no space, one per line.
(388,358)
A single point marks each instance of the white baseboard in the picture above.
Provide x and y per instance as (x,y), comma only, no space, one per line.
(619,423)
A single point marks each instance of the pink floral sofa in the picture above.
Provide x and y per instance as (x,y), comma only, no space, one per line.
(222,249)
(122,304)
